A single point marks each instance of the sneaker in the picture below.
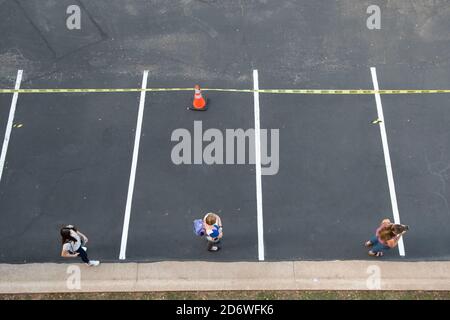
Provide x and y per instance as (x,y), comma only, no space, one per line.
(84,248)
(93,263)
(375,254)
(214,248)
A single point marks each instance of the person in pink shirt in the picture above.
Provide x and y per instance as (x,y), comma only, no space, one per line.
(386,237)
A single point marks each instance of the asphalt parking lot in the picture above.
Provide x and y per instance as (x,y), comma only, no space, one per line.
(69,154)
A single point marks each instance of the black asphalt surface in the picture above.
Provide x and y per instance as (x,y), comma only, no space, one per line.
(418,133)
(70,161)
(331,188)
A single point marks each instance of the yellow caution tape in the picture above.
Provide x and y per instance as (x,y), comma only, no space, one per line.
(285,91)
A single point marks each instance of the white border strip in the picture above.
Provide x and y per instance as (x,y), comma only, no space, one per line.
(137,139)
(387,158)
(9,125)
(259,205)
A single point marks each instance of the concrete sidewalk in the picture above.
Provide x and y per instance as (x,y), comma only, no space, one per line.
(193,276)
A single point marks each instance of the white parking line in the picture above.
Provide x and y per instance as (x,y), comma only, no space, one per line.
(387,157)
(9,125)
(259,206)
(137,139)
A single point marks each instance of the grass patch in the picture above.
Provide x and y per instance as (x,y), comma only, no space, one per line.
(238,295)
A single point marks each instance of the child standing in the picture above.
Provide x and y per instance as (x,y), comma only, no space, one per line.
(214,231)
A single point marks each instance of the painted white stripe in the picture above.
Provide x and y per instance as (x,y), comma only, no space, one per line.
(137,139)
(9,125)
(387,157)
(259,205)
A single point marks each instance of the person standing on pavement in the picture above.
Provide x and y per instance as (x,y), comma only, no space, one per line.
(213,230)
(386,237)
(74,245)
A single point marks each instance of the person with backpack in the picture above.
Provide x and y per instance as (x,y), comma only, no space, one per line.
(386,237)
(74,245)
(213,230)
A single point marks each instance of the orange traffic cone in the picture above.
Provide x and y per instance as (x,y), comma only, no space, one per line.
(199,103)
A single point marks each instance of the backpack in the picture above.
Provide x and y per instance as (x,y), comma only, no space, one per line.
(199,230)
